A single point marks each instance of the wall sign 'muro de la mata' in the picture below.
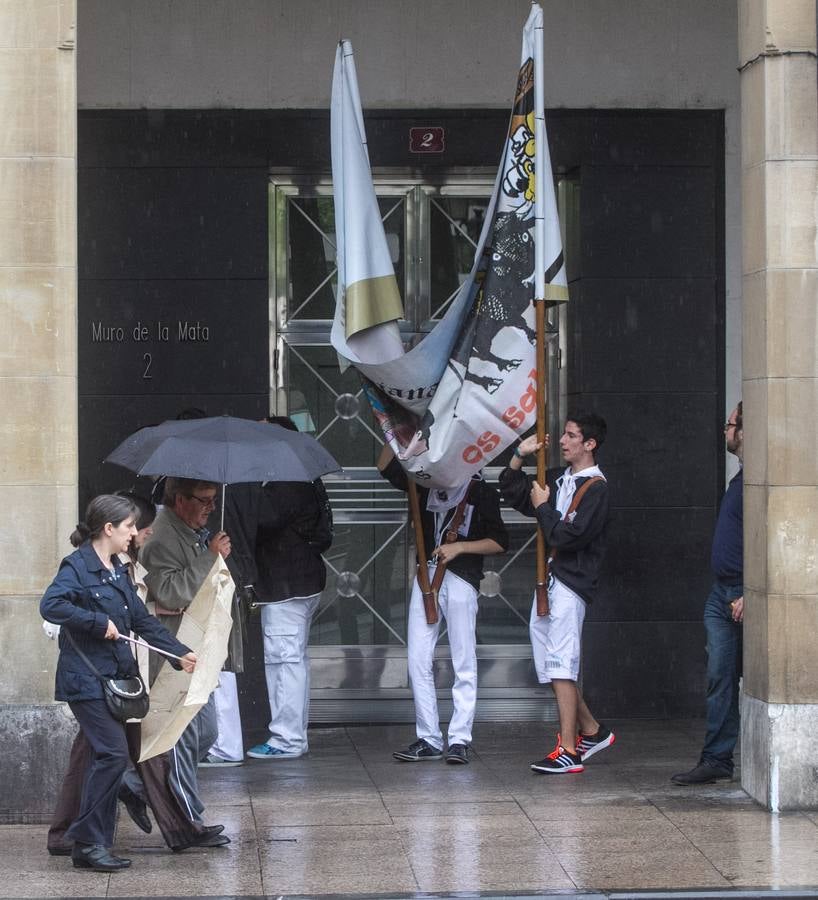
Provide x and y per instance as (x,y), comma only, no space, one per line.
(184,331)
(181,331)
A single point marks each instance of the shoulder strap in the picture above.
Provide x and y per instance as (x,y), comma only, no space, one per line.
(82,656)
(449,537)
(450,534)
(581,491)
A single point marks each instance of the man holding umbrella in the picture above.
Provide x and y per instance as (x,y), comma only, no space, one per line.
(210,452)
(178,558)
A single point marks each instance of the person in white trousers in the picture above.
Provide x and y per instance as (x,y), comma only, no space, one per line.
(286,627)
(228,750)
(281,529)
(480,533)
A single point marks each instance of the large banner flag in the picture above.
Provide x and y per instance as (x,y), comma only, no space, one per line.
(468,390)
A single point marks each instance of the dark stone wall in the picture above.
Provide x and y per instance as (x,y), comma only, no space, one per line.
(173,229)
(647,352)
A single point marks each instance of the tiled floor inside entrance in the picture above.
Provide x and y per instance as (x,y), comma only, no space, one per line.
(347,819)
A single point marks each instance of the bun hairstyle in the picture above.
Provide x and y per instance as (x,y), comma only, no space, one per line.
(101,510)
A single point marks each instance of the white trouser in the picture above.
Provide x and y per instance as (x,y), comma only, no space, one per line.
(556,638)
(458,606)
(286,628)
(226,696)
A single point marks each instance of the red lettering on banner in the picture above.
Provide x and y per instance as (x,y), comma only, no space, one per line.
(529,399)
(488,441)
(513,417)
(472,454)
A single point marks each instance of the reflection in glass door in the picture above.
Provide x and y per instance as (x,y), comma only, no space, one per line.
(358,638)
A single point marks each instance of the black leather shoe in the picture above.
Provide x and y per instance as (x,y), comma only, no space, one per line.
(97,857)
(703,773)
(207,834)
(457,754)
(137,809)
(211,840)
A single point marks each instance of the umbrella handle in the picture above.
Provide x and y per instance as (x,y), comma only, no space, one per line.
(131,640)
(224,491)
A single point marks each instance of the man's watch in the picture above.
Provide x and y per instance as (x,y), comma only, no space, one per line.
(518,454)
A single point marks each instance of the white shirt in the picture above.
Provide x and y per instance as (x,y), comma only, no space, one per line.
(567,486)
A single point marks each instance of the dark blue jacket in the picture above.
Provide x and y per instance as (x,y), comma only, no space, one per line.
(81,599)
(727,557)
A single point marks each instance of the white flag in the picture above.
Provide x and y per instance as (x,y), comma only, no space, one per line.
(468,390)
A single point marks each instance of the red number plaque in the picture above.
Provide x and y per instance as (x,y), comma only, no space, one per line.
(427,140)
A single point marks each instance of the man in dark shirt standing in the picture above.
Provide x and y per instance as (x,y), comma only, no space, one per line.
(723,617)
(481,533)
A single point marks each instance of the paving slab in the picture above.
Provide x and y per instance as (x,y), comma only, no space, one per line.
(347,820)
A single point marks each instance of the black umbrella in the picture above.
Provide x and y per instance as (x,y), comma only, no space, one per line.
(224,449)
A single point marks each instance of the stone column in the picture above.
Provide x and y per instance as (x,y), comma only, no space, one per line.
(38,383)
(779,737)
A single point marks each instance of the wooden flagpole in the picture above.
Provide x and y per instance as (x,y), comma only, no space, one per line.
(542,389)
(540,174)
(429,596)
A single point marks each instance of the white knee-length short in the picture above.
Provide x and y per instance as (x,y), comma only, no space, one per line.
(555,638)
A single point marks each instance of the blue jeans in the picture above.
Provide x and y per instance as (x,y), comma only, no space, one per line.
(723,673)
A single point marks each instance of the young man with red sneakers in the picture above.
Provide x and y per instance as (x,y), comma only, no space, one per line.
(575,535)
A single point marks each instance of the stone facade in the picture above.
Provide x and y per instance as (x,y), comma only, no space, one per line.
(38,381)
(780,265)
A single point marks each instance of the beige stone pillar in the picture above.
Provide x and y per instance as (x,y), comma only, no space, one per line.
(38,381)
(779,736)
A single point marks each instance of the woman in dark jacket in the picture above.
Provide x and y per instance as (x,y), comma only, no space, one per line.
(146,784)
(94,600)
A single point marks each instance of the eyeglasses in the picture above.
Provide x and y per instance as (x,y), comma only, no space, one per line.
(729,425)
(207,502)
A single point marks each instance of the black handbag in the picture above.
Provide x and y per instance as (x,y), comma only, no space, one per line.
(126,698)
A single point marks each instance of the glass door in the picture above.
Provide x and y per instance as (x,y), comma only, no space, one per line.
(358,637)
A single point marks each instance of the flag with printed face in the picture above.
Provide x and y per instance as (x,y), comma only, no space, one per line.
(468,390)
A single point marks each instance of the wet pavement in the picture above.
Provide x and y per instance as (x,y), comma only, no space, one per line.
(348,820)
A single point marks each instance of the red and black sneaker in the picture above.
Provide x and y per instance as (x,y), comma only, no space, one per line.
(588,744)
(559,762)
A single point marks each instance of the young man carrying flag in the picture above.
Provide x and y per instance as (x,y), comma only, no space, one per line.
(572,511)
(460,527)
